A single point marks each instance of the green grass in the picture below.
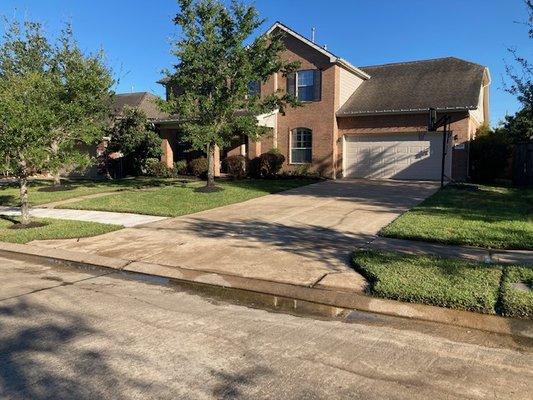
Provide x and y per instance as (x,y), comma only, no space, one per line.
(53,229)
(491,217)
(42,192)
(441,282)
(515,302)
(174,201)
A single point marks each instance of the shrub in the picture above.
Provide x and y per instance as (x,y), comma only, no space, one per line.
(198,167)
(267,165)
(180,167)
(237,166)
(489,157)
(517,302)
(157,168)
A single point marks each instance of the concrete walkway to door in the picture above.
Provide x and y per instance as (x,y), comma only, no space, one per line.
(303,236)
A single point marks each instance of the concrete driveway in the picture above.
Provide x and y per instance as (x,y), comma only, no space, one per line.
(302,236)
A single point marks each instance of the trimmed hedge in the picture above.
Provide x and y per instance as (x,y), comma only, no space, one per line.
(515,302)
(442,282)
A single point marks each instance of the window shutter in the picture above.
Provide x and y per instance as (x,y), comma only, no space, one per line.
(318,85)
(291,84)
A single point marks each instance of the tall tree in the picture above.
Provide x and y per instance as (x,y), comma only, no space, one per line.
(51,98)
(217,62)
(82,103)
(26,120)
(520,74)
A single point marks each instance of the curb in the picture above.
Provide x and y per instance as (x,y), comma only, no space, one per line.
(309,300)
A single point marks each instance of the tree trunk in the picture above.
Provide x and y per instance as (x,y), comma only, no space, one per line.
(210,166)
(24,207)
(57,179)
(55,151)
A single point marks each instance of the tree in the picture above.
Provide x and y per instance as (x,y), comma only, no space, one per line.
(134,137)
(51,99)
(82,103)
(520,126)
(26,120)
(216,65)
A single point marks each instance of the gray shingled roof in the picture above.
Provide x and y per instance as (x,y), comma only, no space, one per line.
(142,100)
(445,83)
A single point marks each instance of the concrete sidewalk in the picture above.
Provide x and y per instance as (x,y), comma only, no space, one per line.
(113,218)
(448,251)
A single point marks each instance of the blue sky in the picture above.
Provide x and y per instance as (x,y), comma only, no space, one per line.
(135,34)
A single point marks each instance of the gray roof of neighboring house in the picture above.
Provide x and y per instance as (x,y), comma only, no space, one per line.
(142,100)
(445,83)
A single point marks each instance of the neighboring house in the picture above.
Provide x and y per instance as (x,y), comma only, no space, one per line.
(366,122)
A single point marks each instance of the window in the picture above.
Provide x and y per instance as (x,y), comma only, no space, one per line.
(305,85)
(301,146)
(254,88)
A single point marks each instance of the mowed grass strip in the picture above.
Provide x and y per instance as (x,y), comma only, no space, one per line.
(442,282)
(173,201)
(489,217)
(52,229)
(42,191)
(517,292)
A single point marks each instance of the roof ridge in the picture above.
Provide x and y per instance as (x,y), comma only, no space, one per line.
(130,93)
(420,61)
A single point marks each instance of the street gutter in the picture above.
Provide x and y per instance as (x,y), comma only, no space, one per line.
(327,302)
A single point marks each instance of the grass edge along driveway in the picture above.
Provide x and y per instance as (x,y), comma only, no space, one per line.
(52,229)
(174,201)
(457,284)
(482,216)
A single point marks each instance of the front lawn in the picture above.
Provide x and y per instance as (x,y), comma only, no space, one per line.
(53,229)
(517,292)
(42,191)
(490,217)
(173,201)
(429,280)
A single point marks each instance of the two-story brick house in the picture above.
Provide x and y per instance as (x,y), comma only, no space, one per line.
(368,122)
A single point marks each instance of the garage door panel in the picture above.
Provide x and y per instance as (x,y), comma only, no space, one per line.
(394,156)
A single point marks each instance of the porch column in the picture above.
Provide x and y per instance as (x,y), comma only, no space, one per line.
(168,154)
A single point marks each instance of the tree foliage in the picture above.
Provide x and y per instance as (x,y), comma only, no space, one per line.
(83,101)
(520,126)
(134,137)
(52,97)
(217,61)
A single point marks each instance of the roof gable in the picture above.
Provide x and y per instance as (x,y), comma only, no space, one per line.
(332,57)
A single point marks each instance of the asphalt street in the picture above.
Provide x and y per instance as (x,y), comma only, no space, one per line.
(68,333)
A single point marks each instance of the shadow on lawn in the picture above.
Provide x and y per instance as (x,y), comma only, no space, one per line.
(40,359)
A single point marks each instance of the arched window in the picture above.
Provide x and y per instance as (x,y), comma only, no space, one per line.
(301,146)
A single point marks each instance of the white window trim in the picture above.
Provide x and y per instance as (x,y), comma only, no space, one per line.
(296,91)
(291,132)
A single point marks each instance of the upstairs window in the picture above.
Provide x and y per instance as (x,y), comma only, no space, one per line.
(301,146)
(305,85)
(254,89)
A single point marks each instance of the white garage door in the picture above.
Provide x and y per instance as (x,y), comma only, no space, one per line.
(394,156)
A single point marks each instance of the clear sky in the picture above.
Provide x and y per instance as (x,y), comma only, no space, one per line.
(135,34)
